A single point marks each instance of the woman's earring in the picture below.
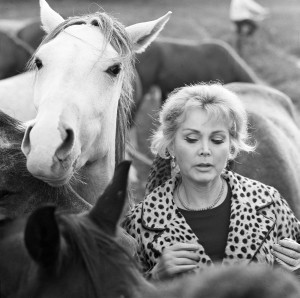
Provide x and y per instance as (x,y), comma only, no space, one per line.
(173,162)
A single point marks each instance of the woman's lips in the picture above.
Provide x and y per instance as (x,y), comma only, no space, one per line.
(204,166)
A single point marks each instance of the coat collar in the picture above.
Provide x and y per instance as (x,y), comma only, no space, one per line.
(159,207)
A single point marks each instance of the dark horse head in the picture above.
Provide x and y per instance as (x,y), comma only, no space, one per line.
(20,192)
(52,254)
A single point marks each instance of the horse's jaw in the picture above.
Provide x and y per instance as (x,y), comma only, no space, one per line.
(97,176)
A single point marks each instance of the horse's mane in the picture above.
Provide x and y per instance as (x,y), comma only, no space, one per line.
(96,248)
(115,34)
(12,131)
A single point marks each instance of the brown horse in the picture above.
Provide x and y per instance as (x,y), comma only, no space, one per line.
(14,54)
(273,126)
(172,63)
(50,254)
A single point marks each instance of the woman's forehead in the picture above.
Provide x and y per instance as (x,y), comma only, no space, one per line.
(199,117)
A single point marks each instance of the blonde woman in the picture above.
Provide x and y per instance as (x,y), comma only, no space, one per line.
(205,214)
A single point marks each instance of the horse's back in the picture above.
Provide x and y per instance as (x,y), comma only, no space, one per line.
(273,126)
(176,63)
(16,96)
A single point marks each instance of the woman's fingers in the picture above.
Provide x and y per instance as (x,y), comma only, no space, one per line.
(289,243)
(178,258)
(183,246)
(286,259)
(185,261)
(181,269)
(187,255)
(287,253)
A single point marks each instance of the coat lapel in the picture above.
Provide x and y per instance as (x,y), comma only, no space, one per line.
(251,222)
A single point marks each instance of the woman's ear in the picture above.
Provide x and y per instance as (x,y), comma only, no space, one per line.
(171,150)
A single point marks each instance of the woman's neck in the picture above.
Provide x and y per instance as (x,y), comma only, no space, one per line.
(199,196)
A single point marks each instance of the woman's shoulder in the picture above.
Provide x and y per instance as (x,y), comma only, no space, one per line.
(152,199)
(244,184)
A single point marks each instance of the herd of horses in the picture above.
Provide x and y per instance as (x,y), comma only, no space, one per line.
(63,129)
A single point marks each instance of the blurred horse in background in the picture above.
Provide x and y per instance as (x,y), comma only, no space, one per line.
(14,54)
(16,96)
(172,63)
(50,254)
(82,93)
(274,127)
(32,33)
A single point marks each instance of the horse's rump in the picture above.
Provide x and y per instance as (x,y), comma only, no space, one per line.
(272,124)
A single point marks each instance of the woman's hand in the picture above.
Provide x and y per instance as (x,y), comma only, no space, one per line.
(178,258)
(287,254)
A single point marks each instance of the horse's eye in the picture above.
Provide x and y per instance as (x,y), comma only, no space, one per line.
(114,70)
(38,63)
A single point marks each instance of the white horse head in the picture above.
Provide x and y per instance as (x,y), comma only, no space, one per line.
(82,93)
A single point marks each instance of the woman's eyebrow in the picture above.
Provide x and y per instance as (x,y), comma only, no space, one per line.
(199,132)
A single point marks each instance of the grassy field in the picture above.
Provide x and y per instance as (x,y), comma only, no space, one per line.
(274,52)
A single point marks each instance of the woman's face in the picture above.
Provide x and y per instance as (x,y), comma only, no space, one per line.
(201,147)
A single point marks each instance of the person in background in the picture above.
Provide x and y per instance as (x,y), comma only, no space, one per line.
(204,214)
(246,14)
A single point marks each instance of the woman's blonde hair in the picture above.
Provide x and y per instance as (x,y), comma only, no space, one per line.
(217,101)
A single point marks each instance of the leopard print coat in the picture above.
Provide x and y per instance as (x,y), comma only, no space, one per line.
(259,218)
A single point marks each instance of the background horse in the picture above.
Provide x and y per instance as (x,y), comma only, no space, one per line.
(273,125)
(16,96)
(14,54)
(61,255)
(32,33)
(82,93)
(20,192)
(172,63)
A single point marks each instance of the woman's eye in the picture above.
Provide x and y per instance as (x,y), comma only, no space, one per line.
(218,141)
(38,63)
(191,140)
(114,70)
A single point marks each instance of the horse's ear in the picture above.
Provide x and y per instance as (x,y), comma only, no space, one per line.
(49,18)
(142,34)
(42,238)
(106,213)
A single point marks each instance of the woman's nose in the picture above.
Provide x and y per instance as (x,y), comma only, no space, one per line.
(204,149)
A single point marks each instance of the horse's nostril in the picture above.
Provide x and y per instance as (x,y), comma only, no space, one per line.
(64,149)
(26,141)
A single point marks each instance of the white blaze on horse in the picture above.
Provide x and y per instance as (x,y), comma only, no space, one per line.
(82,93)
